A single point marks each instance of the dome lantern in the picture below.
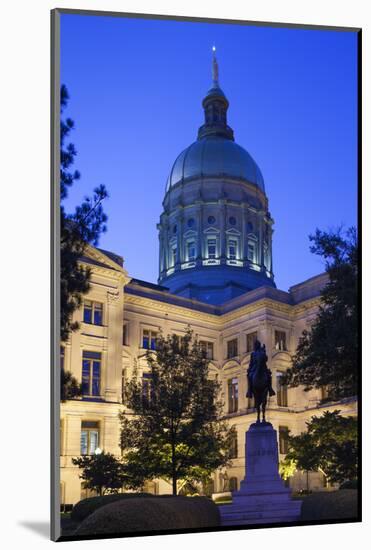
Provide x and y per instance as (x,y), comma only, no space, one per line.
(215,231)
(215,106)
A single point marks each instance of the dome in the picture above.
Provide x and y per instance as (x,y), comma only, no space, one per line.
(215,156)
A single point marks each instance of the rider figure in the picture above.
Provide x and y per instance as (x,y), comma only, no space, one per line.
(258,348)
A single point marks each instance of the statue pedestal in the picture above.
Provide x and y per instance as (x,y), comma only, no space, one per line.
(262,497)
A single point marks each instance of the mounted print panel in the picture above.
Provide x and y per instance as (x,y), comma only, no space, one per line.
(205,347)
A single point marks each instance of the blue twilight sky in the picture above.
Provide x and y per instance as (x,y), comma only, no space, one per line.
(136,88)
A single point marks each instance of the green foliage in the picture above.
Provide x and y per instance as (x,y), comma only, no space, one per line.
(328,354)
(87,506)
(151,514)
(328,445)
(76,230)
(101,472)
(176,432)
(70,388)
(287,468)
(84,226)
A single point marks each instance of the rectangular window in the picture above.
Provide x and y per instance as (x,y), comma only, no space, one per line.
(232,249)
(125,335)
(251,338)
(191,251)
(91,368)
(283,437)
(93,312)
(232,348)
(146,387)
(234,446)
(232,395)
(208,348)
(89,437)
(149,339)
(280,340)
(233,484)
(251,252)
(281,391)
(211,249)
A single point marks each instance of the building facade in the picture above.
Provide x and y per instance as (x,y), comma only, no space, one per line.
(216,276)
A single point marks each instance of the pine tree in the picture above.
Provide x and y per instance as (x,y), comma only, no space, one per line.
(77,230)
(82,227)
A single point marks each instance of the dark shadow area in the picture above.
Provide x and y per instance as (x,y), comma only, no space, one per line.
(42,528)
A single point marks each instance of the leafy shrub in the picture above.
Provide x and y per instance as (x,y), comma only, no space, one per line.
(87,506)
(331,505)
(151,514)
(351,484)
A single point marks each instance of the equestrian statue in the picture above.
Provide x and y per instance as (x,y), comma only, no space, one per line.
(259,379)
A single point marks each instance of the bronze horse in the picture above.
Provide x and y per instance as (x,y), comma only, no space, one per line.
(259,379)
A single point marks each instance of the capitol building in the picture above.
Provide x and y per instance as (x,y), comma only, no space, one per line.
(216,275)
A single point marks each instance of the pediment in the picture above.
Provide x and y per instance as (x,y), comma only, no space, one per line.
(190,233)
(233,231)
(99,258)
(211,230)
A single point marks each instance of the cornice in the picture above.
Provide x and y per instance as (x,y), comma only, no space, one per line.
(163,307)
(219,321)
(306,305)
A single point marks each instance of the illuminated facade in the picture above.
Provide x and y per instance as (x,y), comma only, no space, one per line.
(215,231)
(216,275)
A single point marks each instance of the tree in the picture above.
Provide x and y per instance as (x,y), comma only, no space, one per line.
(77,230)
(101,472)
(302,455)
(329,445)
(328,354)
(174,428)
(70,388)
